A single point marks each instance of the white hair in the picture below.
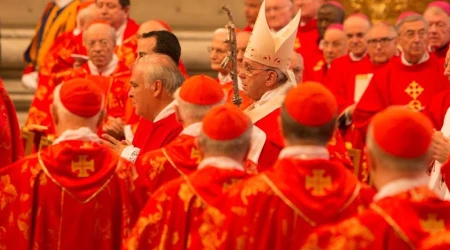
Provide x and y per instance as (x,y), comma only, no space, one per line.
(193,112)
(63,113)
(386,160)
(232,148)
(160,67)
(410,19)
(85,13)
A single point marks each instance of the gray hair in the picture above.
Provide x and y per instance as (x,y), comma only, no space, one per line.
(409,19)
(112,31)
(193,112)
(160,67)
(281,77)
(418,164)
(233,148)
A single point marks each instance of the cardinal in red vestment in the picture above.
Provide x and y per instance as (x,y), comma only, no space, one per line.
(58,17)
(181,157)
(409,80)
(173,212)
(75,194)
(305,188)
(437,15)
(404,211)
(11,148)
(103,68)
(251,8)
(153,101)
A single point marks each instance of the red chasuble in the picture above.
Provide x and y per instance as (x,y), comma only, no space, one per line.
(397,222)
(316,67)
(114,87)
(437,109)
(73,195)
(173,212)
(154,135)
(398,84)
(178,158)
(11,148)
(307,40)
(441,53)
(278,209)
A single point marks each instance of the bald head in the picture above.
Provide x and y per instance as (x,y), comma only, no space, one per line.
(242,39)
(334,44)
(278,13)
(382,43)
(297,66)
(356,28)
(86,16)
(148,26)
(218,50)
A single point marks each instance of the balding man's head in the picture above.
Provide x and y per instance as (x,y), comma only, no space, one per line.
(438,26)
(218,50)
(334,44)
(151,25)
(356,28)
(297,65)
(242,39)
(100,39)
(86,16)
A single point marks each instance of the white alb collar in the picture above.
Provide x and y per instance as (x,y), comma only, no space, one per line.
(305,152)
(424,58)
(221,162)
(120,32)
(167,111)
(193,130)
(109,69)
(355,58)
(81,134)
(281,90)
(399,186)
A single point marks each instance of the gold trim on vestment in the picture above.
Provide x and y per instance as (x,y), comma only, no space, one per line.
(44,168)
(163,150)
(287,201)
(352,198)
(393,224)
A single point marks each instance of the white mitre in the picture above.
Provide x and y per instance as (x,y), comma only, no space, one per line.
(273,49)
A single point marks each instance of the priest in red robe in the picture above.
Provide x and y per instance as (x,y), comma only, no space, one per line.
(279,208)
(75,194)
(196,96)
(154,80)
(410,80)
(297,67)
(404,210)
(173,212)
(103,68)
(11,148)
(251,8)
(437,16)
(58,17)
(331,12)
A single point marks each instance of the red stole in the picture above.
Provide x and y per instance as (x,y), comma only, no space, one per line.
(306,41)
(74,184)
(315,68)
(397,222)
(290,201)
(151,136)
(398,84)
(178,158)
(11,148)
(174,211)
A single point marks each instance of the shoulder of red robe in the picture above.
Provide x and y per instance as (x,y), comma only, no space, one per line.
(81,97)
(225,122)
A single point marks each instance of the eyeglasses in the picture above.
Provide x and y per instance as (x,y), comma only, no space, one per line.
(249,72)
(216,50)
(382,41)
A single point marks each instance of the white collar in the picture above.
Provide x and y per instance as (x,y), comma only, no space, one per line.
(221,162)
(310,152)
(193,130)
(166,112)
(76,31)
(355,58)
(424,58)
(62,3)
(281,90)
(109,69)
(81,134)
(120,32)
(399,186)
(224,79)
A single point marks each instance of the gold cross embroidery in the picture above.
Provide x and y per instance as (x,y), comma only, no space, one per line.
(431,225)
(318,182)
(414,90)
(195,154)
(82,166)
